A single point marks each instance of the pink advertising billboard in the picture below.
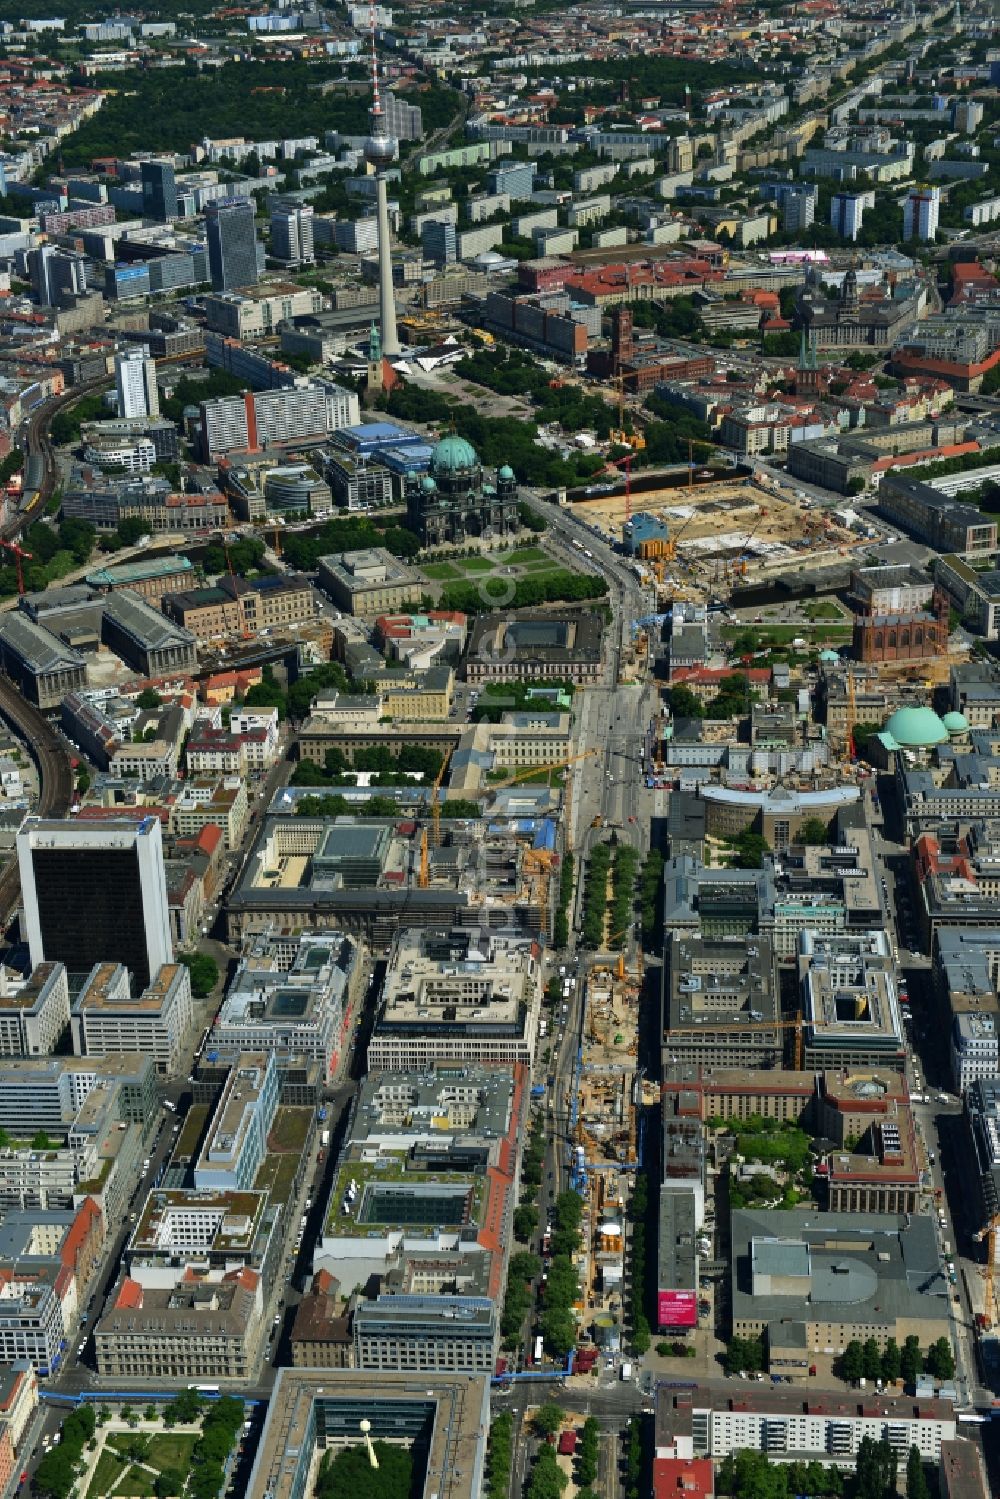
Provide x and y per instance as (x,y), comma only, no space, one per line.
(676,1308)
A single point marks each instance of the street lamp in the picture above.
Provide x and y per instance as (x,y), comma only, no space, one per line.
(365,1427)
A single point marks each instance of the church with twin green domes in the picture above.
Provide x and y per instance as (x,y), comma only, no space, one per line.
(455,502)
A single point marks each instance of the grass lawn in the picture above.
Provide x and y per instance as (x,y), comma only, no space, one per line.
(440,571)
(822,609)
(277,1175)
(194,1126)
(543,565)
(136,1482)
(109,1469)
(290,1129)
(123,1440)
(523,554)
(171,1450)
(476,565)
(784,634)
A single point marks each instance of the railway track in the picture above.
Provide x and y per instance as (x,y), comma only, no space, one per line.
(38,446)
(55,775)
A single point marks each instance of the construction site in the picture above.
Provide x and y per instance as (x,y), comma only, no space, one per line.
(606,1134)
(714,531)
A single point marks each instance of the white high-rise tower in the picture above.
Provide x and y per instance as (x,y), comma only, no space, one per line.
(135,381)
(380,151)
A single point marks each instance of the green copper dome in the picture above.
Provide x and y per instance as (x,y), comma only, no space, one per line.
(506,472)
(427,483)
(956,723)
(916,728)
(453,453)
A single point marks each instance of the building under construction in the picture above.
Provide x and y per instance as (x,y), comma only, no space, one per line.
(606,1116)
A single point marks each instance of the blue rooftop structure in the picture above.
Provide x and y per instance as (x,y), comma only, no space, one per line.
(545,836)
(641,528)
(406,458)
(367,437)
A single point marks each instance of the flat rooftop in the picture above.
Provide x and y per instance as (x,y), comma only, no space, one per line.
(391,1195)
(188,1220)
(837,1268)
(445,1416)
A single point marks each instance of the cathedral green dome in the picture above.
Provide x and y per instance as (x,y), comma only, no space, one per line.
(916,728)
(956,723)
(506,472)
(453,453)
(427,484)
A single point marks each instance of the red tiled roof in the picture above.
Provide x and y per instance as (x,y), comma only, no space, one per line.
(686,1477)
(129,1297)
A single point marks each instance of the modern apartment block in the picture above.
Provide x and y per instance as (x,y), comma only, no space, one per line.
(34,1012)
(98,1154)
(920,213)
(292,1008)
(107,1018)
(426,1334)
(135,384)
(159,191)
(266,418)
(456,997)
(232,243)
(48,1093)
(94,893)
(292,233)
(710,1420)
(237,1140)
(47,1263)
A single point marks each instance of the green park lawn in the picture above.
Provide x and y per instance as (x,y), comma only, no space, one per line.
(783,634)
(137,1483)
(172,1449)
(476,565)
(107,1473)
(441,572)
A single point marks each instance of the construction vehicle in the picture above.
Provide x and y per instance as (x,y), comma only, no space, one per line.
(989,1233)
(19,555)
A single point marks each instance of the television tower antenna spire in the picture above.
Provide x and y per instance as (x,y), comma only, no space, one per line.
(380,152)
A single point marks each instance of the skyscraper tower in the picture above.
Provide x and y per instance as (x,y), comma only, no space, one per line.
(135,382)
(232,243)
(159,191)
(380,150)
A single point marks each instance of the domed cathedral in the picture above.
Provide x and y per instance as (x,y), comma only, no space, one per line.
(454,503)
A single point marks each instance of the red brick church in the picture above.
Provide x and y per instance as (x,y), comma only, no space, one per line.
(903,637)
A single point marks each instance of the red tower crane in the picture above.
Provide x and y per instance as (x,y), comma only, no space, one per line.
(19,554)
(627,464)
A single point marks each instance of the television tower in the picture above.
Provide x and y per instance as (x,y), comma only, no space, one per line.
(380,151)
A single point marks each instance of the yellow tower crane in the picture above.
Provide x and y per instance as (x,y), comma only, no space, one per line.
(534,770)
(423,879)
